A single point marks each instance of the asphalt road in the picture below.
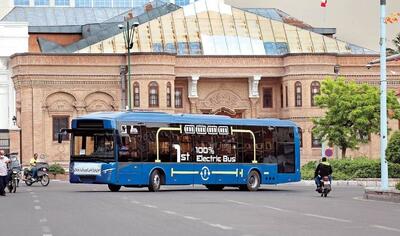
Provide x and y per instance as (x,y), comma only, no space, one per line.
(63,209)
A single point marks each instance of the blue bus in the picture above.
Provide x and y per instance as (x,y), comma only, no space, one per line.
(150,149)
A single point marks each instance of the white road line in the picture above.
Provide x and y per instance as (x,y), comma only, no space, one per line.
(47,235)
(150,206)
(276,209)
(371,200)
(32,192)
(135,202)
(46,229)
(191,218)
(386,228)
(37,207)
(44,220)
(224,227)
(170,212)
(327,218)
(240,203)
(36,201)
(34,196)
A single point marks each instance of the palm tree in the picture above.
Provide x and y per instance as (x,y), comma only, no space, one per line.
(396,42)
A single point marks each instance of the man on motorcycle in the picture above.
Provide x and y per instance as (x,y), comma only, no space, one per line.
(32,165)
(323,169)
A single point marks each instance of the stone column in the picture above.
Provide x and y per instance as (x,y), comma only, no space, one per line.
(254,95)
(192,93)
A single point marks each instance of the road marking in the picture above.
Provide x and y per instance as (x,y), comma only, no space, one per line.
(34,196)
(170,212)
(32,192)
(48,234)
(36,201)
(386,228)
(150,206)
(224,227)
(45,229)
(328,218)
(371,200)
(37,207)
(276,209)
(240,203)
(43,220)
(135,202)
(191,218)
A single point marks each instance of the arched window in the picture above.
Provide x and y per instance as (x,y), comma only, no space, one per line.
(153,94)
(315,90)
(298,94)
(169,94)
(315,142)
(136,95)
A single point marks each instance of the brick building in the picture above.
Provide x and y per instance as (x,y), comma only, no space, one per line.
(206,57)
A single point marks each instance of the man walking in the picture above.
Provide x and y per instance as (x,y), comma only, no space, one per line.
(3,172)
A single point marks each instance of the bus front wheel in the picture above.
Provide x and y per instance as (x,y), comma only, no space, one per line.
(114,188)
(253,181)
(155,181)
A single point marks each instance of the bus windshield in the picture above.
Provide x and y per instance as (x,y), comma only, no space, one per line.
(93,146)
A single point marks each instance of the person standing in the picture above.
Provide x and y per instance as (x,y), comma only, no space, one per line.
(3,172)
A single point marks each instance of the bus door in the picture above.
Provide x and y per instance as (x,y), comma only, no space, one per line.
(215,160)
(129,156)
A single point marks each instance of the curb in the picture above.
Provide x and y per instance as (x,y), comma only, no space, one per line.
(354,183)
(391,195)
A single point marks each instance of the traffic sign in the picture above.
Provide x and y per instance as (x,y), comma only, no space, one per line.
(328,152)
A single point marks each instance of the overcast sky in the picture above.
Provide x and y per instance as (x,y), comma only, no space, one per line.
(356,21)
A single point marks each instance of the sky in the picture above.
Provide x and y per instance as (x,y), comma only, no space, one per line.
(356,21)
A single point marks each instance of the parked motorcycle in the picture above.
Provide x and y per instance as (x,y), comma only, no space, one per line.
(13,173)
(42,174)
(13,180)
(325,186)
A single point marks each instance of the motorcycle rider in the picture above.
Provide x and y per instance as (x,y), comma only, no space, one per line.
(323,169)
(3,172)
(32,165)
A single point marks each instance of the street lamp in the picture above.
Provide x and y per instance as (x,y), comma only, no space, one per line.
(128,31)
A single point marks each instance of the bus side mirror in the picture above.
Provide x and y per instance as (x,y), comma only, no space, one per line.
(59,137)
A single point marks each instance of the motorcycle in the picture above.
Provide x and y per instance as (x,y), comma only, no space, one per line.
(325,186)
(42,175)
(13,180)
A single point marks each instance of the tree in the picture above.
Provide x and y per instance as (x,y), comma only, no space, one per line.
(393,149)
(396,42)
(352,113)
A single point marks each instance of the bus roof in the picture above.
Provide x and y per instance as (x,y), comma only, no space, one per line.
(161,117)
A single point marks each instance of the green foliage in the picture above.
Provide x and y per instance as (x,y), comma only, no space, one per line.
(56,169)
(396,42)
(348,169)
(352,113)
(398,186)
(393,148)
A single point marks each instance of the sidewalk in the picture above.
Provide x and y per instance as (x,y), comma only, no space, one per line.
(359,182)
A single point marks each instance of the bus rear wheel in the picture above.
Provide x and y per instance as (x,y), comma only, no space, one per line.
(215,187)
(253,181)
(155,181)
(114,188)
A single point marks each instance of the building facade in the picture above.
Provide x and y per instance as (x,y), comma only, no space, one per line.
(15,36)
(207,57)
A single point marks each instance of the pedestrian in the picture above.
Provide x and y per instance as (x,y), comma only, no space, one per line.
(3,172)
